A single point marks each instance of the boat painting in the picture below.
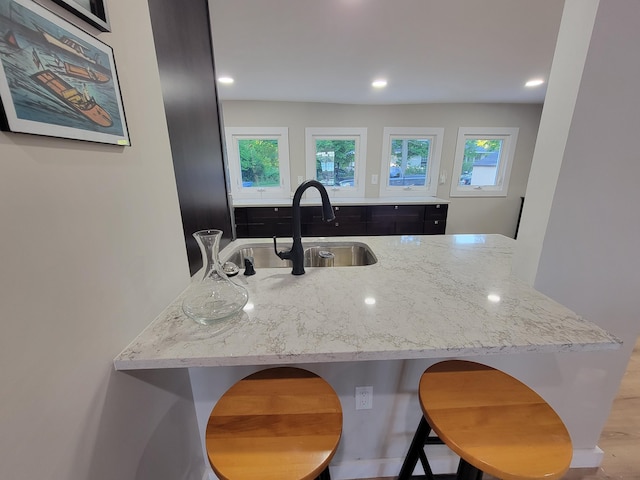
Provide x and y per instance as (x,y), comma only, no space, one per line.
(55,79)
(67,44)
(85,73)
(81,102)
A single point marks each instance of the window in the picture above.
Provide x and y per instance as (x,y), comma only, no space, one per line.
(336,158)
(410,161)
(258,162)
(483,162)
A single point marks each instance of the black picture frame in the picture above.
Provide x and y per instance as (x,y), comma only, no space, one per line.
(94,12)
(56,79)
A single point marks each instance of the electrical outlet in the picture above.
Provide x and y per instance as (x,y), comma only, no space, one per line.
(364,398)
(374,179)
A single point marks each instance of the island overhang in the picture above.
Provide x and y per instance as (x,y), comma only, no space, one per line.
(436,296)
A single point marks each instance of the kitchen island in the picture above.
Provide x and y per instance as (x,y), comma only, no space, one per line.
(426,297)
(381,325)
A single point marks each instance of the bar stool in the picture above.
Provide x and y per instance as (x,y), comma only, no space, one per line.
(495,423)
(277,424)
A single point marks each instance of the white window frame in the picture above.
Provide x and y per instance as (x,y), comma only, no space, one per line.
(509,136)
(430,188)
(338,133)
(281,134)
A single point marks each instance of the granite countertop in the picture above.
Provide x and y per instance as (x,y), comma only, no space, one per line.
(426,297)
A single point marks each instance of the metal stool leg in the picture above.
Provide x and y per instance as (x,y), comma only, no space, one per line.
(416,452)
(325,475)
(467,471)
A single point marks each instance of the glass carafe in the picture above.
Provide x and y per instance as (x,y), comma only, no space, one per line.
(214,297)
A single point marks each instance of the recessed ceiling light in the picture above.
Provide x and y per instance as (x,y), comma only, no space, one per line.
(380,83)
(534,83)
(225,80)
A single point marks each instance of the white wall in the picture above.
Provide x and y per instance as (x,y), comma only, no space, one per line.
(587,249)
(466,215)
(562,91)
(91,250)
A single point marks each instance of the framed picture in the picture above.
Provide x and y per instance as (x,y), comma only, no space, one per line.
(93,12)
(56,79)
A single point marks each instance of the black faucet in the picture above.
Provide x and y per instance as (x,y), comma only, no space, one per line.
(296,254)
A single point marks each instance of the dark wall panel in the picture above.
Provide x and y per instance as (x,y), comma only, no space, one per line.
(182,38)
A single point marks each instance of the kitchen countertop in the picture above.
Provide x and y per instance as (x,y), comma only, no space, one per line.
(426,297)
(339,201)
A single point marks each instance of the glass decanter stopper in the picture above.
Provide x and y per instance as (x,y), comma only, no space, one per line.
(214,297)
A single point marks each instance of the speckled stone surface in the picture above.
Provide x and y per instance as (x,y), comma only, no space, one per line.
(426,297)
(339,201)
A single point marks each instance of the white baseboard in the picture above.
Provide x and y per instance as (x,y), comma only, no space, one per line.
(441,459)
(587,457)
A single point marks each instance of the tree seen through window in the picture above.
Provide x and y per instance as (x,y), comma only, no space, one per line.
(259,162)
(335,162)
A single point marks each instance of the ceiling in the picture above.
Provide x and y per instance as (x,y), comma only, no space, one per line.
(430,51)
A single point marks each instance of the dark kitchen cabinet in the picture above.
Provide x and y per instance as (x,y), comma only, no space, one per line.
(435,219)
(351,220)
(264,222)
(395,219)
(185,58)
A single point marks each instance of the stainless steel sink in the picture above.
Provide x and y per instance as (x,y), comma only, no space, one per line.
(262,253)
(316,254)
(339,255)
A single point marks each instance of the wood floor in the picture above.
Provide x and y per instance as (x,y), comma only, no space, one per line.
(620,438)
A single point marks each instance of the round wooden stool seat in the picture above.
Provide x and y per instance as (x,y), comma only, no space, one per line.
(281,424)
(494,422)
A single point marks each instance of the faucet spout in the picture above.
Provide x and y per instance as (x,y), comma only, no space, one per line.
(296,254)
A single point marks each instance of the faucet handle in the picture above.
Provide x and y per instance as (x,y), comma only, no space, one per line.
(283,255)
